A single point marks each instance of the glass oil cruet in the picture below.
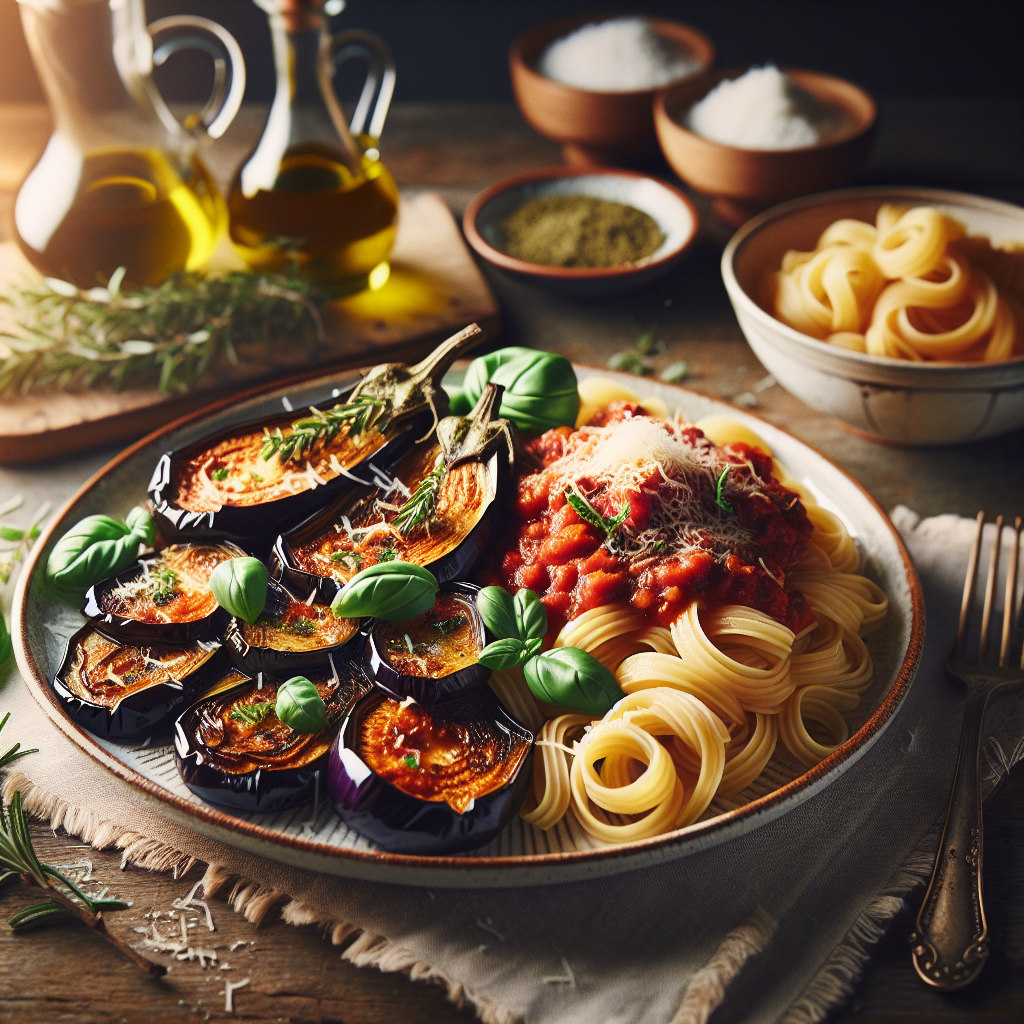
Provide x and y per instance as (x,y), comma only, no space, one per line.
(315,194)
(120,182)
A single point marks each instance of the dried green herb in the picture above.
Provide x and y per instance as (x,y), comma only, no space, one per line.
(74,339)
(675,372)
(628,362)
(446,626)
(252,714)
(164,582)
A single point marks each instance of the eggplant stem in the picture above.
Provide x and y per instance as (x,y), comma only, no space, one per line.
(446,353)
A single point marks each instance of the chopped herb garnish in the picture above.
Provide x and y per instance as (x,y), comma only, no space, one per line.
(301,627)
(252,714)
(389,554)
(589,514)
(349,559)
(627,362)
(675,372)
(322,427)
(220,474)
(421,504)
(720,491)
(447,626)
(412,761)
(163,582)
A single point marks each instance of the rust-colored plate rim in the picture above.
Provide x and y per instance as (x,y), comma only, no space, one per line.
(506,262)
(210,816)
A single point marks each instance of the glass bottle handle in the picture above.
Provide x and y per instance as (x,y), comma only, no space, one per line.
(354,44)
(224,102)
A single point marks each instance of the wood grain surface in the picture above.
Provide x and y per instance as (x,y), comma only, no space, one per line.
(296,975)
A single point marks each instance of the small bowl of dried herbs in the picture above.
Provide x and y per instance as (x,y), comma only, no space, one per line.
(586,235)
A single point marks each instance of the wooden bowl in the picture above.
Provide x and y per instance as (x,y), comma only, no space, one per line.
(595,128)
(673,212)
(744,182)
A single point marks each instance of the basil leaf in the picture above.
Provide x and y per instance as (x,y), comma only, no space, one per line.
(94,548)
(503,654)
(6,647)
(532,647)
(300,706)
(497,609)
(589,514)
(392,591)
(570,678)
(140,522)
(531,615)
(240,586)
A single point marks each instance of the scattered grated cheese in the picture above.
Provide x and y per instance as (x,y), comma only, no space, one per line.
(230,987)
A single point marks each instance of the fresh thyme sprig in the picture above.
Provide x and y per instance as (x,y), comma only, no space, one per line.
(422,502)
(589,514)
(252,714)
(167,335)
(322,427)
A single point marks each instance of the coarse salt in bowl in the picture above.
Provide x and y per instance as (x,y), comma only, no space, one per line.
(598,126)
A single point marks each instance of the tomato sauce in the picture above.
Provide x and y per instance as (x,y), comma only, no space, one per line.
(737,552)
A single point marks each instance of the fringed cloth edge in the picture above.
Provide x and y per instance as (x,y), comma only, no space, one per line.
(706,989)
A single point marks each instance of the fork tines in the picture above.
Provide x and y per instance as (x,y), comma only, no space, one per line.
(1009,600)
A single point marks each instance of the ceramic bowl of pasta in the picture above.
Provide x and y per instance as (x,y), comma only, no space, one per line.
(898,310)
(566,632)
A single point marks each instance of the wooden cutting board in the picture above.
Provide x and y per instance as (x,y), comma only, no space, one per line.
(435,289)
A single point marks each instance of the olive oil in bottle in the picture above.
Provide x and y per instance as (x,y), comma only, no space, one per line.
(335,226)
(130,208)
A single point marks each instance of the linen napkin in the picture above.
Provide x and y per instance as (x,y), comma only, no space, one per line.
(773,926)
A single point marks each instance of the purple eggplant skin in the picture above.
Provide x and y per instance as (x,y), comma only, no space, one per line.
(265,791)
(401,823)
(421,689)
(284,664)
(149,712)
(456,565)
(257,525)
(130,631)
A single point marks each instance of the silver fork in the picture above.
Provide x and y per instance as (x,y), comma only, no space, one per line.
(950,942)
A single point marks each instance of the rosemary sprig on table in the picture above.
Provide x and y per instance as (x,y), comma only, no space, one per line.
(22,538)
(322,427)
(167,335)
(18,860)
(422,502)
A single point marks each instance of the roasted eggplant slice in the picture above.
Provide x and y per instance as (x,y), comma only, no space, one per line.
(290,636)
(233,751)
(164,598)
(440,509)
(130,691)
(430,779)
(433,657)
(251,481)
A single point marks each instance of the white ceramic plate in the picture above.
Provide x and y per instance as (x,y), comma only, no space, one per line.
(522,855)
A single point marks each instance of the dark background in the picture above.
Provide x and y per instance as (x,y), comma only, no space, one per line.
(457,49)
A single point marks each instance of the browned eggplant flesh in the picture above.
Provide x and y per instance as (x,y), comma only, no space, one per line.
(104,673)
(437,643)
(373,528)
(234,472)
(447,753)
(173,587)
(297,627)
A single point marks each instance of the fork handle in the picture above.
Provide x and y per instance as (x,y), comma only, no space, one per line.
(950,943)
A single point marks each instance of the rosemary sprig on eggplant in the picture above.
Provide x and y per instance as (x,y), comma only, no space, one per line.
(387,394)
(167,336)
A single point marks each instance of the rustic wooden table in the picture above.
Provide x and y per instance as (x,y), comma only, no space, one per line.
(296,975)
